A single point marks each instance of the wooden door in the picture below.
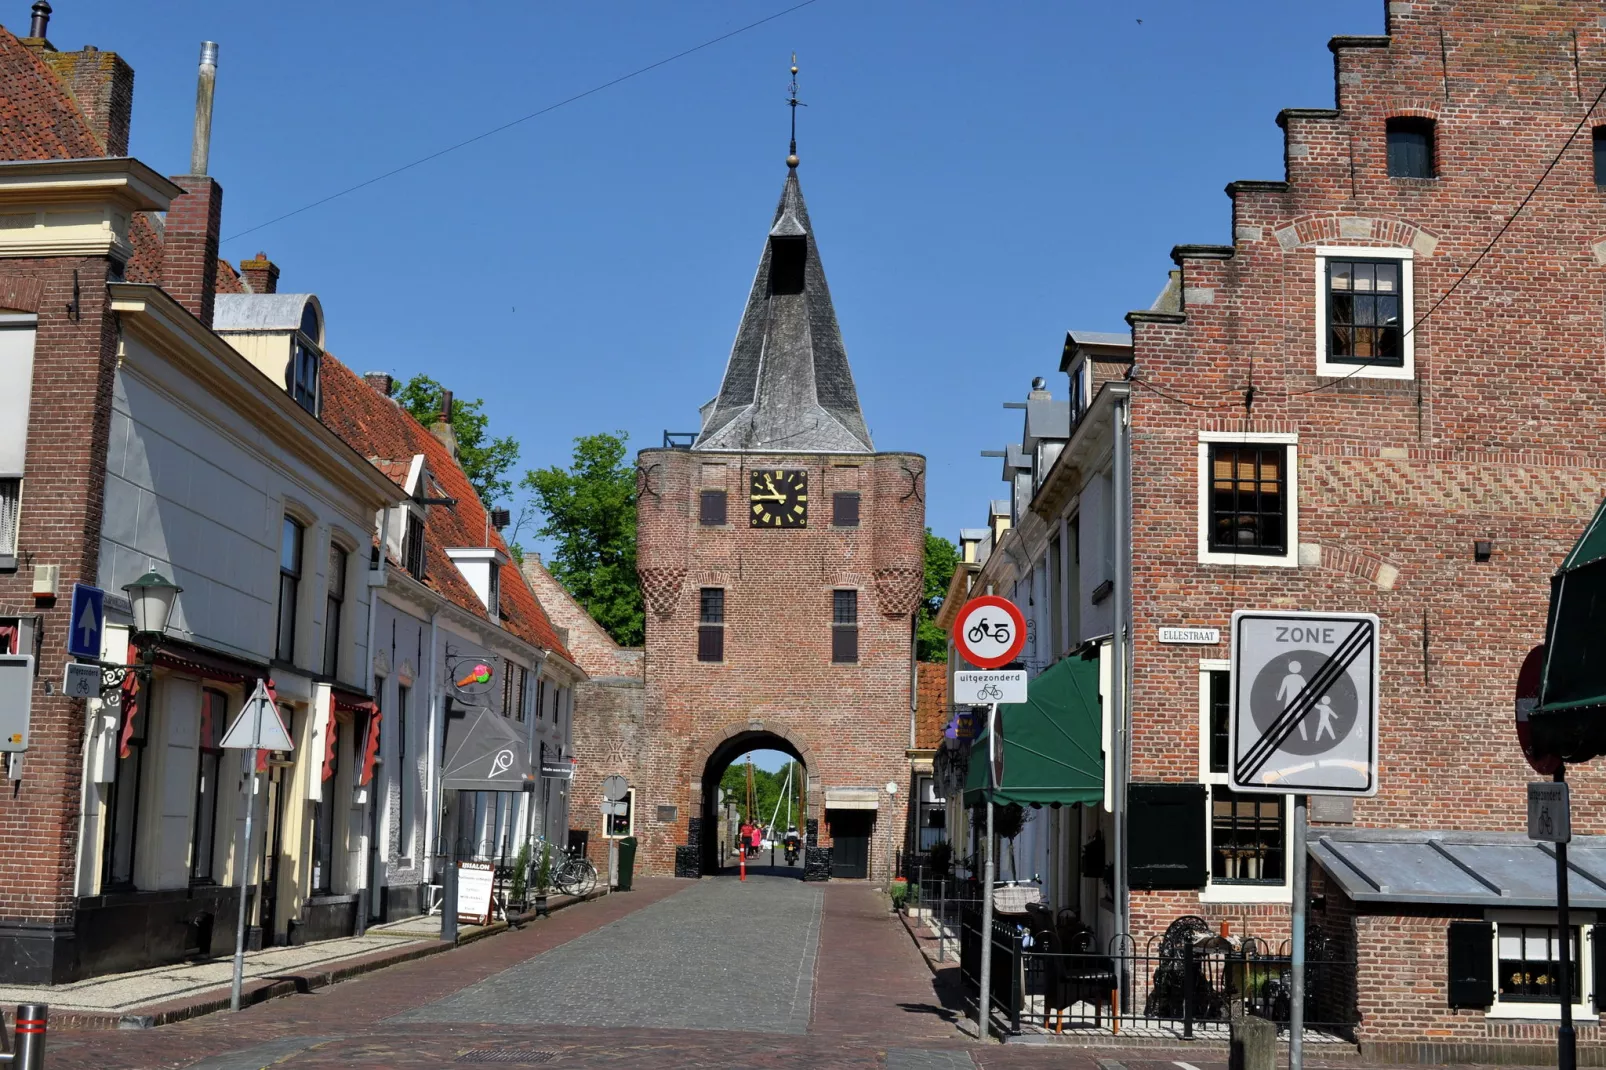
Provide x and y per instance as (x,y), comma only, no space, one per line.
(850,842)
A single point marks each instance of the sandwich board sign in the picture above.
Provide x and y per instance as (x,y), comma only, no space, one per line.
(1304,703)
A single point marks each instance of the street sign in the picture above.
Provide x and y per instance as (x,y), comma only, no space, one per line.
(989,631)
(1304,703)
(1550,812)
(258,727)
(980,688)
(615,809)
(16,700)
(1191,636)
(615,788)
(88,621)
(558,770)
(1529,678)
(81,681)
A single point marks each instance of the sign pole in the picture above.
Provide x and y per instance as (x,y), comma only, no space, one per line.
(984,1015)
(245,870)
(1296,1010)
(1566,1040)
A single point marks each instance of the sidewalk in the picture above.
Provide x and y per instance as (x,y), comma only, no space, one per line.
(143,999)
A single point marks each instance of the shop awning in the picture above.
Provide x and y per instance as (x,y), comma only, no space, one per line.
(1053,742)
(484,752)
(1459,869)
(1570,720)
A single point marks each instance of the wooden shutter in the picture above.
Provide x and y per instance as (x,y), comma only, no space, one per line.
(711,512)
(845,509)
(1166,835)
(1471,965)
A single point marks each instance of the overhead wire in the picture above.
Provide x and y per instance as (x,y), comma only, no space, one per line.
(521,119)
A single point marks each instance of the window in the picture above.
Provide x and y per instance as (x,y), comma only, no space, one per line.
(404,773)
(334,611)
(289,588)
(507,690)
(845,509)
(845,627)
(413,546)
(1247,834)
(933,815)
(1600,156)
(1528,961)
(1410,144)
(122,805)
(1363,312)
(711,508)
(494,600)
(540,698)
(620,825)
(323,827)
(788,255)
(214,721)
(10,498)
(524,691)
(1079,391)
(304,376)
(1248,499)
(710,627)
(1219,709)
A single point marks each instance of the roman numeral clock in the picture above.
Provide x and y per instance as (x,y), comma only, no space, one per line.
(779,498)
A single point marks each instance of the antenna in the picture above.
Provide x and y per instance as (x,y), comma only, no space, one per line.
(793,103)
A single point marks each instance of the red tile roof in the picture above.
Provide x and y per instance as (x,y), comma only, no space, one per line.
(931,704)
(381,430)
(39,119)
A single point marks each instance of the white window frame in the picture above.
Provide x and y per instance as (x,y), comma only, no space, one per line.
(1582,920)
(1235,893)
(1407,258)
(1081,388)
(1290,557)
(630,795)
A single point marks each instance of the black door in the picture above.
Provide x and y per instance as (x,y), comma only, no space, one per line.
(850,842)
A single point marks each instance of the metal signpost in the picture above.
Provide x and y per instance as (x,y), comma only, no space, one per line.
(1303,721)
(257,728)
(615,790)
(1550,821)
(990,632)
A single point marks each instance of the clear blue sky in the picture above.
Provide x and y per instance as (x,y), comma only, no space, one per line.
(981,178)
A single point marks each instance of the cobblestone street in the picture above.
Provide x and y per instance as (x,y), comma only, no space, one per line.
(770,972)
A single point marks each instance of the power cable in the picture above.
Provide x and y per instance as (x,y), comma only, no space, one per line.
(522,119)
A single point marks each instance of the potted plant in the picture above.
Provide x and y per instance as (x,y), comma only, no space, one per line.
(543,880)
(899,890)
(521,877)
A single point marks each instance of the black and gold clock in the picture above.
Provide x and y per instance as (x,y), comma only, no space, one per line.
(779,498)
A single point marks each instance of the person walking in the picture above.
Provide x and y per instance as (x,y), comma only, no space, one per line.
(757,840)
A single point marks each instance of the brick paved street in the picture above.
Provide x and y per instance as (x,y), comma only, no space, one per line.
(677,974)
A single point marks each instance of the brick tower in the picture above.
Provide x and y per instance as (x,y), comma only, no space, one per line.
(781,559)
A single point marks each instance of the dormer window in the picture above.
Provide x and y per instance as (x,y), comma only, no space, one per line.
(494,602)
(481,567)
(788,254)
(305,355)
(413,546)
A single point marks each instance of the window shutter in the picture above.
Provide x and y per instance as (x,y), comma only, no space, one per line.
(845,509)
(1471,980)
(711,511)
(1166,836)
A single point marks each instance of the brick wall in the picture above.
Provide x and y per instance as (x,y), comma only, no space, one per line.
(849,723)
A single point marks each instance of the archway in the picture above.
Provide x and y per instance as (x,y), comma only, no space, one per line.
(733,746)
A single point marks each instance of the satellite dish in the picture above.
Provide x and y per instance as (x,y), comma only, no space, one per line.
(615,788)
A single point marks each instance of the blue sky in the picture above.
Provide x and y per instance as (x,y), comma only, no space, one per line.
(981,178)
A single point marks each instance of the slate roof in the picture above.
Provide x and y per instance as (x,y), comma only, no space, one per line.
(381,430)
(787,386)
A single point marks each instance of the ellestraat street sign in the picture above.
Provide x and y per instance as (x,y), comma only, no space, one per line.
(979,688)
(1304,703)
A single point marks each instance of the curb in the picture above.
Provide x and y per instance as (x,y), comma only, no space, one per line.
(262,990)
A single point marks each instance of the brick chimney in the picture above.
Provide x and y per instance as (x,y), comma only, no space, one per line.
(102,83)
(261,274)
(442,427)
(380,381)
(189,256)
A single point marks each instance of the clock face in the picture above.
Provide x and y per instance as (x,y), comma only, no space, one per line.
(779,498)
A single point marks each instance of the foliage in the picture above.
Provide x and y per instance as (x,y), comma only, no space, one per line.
(590,514)
(485,460)
(1007,824)
(767,788)
(942,557)
(543,871)
(521,872)
(899,890)
(940,856)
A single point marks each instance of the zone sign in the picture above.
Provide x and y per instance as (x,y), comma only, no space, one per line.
(989,631)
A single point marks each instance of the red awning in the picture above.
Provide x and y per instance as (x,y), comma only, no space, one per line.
(129,700)
(370,753)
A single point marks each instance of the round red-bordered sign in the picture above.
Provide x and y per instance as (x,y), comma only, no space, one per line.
(989,631)
(1528,680)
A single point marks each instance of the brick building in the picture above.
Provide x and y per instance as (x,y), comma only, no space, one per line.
(1353,408)
(781,559)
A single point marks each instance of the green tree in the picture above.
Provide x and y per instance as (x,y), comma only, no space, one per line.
(485,460)
(590,516)
(942,557)
(769,791)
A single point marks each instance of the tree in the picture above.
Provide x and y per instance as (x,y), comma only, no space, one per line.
(590,514)
(486,461)
(769,791)
(942,557)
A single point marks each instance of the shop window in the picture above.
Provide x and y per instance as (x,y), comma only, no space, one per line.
(209,758)
(122,806)
(323,827)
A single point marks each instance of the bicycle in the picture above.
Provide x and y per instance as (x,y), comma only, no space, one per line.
(985,629)
(572,876)
(990,693)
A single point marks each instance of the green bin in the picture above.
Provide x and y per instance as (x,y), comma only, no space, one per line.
(627,862)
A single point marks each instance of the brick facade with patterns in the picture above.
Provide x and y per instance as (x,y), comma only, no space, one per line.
(1497,436)
(777,686)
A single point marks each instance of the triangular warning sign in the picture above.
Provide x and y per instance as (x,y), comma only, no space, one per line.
(246,734)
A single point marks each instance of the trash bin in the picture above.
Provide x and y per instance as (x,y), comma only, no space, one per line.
(627,862)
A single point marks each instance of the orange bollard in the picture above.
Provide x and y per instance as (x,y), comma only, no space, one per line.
(744,863)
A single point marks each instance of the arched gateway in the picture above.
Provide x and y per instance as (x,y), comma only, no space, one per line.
(781,560)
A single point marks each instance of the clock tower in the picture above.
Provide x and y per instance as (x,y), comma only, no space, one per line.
(781,559)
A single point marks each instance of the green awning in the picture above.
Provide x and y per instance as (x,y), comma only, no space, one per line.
(1570,720)
(1053,742)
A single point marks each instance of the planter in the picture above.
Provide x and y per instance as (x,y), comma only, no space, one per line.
(540,904)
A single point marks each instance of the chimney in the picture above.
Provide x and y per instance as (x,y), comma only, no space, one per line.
(442,428)
(380,381)
(101,83)
(261,274)
(41,20)
(189,257)
(1039,390)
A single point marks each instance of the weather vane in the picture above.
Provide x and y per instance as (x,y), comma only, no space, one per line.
(794,104)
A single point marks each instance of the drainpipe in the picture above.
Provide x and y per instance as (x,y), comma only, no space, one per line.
(1120,679)
(530,721)
(437,724)
(205,85)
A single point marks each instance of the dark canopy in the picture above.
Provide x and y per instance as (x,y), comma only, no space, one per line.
(484,752)
(1053,742)
(1570,720)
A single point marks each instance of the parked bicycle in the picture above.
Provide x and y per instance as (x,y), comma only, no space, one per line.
(570,873)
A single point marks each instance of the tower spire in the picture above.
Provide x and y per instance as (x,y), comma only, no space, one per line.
(793,103)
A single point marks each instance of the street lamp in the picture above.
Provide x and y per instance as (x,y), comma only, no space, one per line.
(151,597)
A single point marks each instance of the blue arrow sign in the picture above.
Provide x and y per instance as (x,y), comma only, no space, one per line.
(87,621)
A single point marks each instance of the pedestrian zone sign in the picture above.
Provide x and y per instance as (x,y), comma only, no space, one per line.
(1304,703)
